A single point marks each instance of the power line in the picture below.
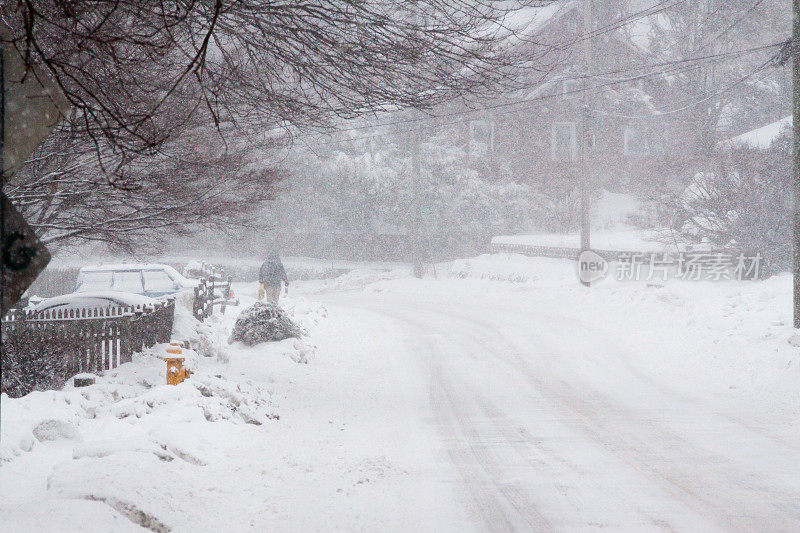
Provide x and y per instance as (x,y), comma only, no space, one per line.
(695,102)
(689,65)
(624,21)
(579,39)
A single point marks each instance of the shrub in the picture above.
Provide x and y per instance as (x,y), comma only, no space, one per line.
(745,205)
(264,322)
(28,366)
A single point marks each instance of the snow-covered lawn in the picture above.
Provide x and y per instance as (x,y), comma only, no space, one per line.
(501,395)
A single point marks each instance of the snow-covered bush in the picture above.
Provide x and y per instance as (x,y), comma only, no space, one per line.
(264,322)
(745,206)
(27,368)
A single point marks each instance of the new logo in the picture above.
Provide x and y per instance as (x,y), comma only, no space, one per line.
(591,266)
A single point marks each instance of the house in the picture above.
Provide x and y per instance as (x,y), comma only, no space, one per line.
(536,129)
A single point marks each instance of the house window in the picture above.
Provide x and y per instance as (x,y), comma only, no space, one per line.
(635,140)
(564,141)
(481,137)
(571,89)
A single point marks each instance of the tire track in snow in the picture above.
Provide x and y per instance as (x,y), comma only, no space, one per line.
(503,505)
(695,491)
(521,442)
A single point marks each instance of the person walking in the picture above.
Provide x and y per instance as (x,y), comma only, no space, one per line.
(270,276)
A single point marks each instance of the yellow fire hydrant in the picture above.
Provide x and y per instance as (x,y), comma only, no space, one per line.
(175,371)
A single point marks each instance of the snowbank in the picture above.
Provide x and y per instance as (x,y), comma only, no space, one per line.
(514,268)
(355,279)
(207,338)
(64,515)
(126,452)
(133,391)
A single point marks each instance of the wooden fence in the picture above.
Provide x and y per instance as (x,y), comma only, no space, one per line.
(210,292)
(85,340)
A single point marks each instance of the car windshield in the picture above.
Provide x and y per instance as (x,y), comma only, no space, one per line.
(156,281)
(127,281)
(94,280)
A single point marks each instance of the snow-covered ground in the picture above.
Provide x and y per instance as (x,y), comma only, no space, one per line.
(500,395)
(612,214)
(625,240)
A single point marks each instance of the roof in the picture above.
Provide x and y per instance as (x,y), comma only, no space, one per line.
(121,267)
(762,137)
(531,20)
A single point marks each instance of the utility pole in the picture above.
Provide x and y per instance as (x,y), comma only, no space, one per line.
(796,156)
(2,170)
(416,211)
(586,134)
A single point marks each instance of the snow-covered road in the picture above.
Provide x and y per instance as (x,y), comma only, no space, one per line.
(500,396)
(553,424)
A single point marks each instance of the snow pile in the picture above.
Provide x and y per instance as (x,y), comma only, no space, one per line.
(137,391)
(206,338)
(515,268)
(65,515)
(293,349)
(264,322)
(194,269)
(131,452)
(306,314)
(487,267)
(133,391)
(31,419)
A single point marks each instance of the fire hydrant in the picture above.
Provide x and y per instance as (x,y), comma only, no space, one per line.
(175,371)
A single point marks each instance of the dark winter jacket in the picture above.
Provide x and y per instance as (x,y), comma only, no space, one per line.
(272,272)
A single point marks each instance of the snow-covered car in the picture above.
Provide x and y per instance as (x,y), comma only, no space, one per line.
(197,269)
(153,280)
(92,300)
